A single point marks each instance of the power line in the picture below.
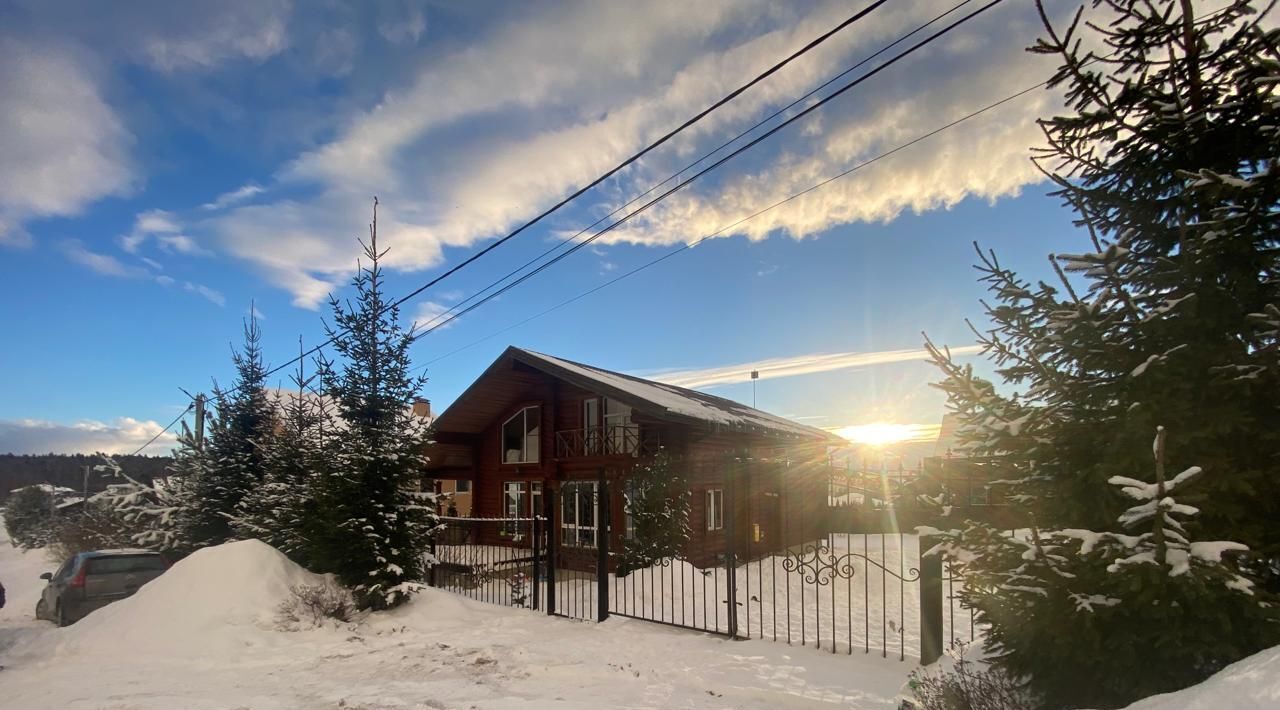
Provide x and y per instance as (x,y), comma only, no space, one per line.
(612,171)
(814,107)
(691,165)
(727,227)
(152,440)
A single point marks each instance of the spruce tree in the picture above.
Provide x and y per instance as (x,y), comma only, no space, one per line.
(657,502)
(381,523)
(283,510)
(219,474)
(1167,158)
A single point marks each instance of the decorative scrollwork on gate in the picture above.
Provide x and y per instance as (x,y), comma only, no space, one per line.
(818,564)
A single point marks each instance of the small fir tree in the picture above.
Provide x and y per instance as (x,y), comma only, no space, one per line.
(283,511)
(657,502)
(154,516)
(381,522)
(220,473)
(1137,614)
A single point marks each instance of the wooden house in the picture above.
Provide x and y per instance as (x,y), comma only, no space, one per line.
(535,426)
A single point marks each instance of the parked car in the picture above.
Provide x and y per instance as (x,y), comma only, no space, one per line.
(92,580)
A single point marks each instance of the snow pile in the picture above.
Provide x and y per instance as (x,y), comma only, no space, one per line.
(1250,684)
(219,598)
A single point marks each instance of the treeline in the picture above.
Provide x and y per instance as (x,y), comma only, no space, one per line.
(18,470)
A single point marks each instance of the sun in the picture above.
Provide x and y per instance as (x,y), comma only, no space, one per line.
(885,433)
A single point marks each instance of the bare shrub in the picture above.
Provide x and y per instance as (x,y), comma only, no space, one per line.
(967,686)
(310,605)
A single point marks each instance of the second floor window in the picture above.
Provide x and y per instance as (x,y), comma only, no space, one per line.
(521,435)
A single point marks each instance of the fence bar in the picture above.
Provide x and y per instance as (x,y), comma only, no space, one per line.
(549,499)
(731,562)
(930,603)
(602,547)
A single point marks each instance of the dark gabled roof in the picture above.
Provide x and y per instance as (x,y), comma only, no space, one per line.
(656,399)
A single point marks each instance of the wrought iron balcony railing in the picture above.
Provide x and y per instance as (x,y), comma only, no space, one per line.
(614,440)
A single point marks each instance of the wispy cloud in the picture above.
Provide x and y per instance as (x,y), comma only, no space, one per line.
(234,197)
(162,227)
(213,295)
(795,366)
(431,314)
(122,435)
(97,262)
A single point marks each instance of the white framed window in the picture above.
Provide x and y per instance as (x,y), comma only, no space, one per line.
(521,435)
(623,435)
(630,496)
(535,499)
(462,486)
(715,509)
(578,519)
(514,505)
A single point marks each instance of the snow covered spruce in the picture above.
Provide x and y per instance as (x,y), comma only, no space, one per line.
(1166,154)
(328,475)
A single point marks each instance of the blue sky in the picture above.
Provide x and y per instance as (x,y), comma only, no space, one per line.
(161,168)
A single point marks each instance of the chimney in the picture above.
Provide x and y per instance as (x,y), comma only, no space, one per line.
(422,408)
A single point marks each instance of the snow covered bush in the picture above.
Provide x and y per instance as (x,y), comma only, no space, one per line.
(311,605)
(1136,614)
(965,685)
(95,526)
(28,516)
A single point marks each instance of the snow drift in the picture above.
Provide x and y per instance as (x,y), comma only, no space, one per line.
(1249,684)
(221,598)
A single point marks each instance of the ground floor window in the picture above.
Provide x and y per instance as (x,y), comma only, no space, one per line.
(514,505)
(462,486)
(715,509)
(578,519)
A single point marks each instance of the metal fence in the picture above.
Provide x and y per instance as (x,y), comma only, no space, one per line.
(777,568)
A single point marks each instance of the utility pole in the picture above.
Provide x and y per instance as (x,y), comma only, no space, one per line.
(200,422)
(84,502)
(755,375)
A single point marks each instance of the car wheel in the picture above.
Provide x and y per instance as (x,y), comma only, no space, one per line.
(40,615)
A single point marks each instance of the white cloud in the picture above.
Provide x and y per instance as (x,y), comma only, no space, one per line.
(250,30)
(162,227)
(401,23)
(794,366)
(235,197)
(104,264)
(123,435)
(213,295)
(62,147)
(554,120)
(430,314)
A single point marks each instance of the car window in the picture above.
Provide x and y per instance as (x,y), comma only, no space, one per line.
(65,569)
(118,564)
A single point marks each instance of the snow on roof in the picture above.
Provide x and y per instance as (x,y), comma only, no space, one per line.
(47,488)
(119,552)
(679,401)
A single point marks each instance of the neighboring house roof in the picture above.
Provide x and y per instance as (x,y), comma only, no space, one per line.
(656,399)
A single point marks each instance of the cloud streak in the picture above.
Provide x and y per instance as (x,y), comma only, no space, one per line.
(795,366)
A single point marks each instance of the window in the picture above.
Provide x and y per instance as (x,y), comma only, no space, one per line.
(578,521)
(462,487)
(715,509)
(535,499)
(623,435)
(514,505)
(591,432)
(520,436)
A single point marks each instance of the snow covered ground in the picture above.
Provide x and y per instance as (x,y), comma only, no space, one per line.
(202,636)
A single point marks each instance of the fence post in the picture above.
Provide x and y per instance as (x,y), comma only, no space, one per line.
(435,561)
(731,561)
(930,602)
(549,497)
(537,554)
(602,547)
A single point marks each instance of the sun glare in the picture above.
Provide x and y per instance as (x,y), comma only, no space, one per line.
(884,433)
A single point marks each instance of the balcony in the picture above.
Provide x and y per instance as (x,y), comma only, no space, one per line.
(619,440)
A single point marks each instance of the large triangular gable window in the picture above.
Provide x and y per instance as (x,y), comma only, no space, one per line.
(520,436)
